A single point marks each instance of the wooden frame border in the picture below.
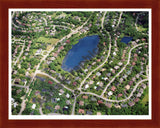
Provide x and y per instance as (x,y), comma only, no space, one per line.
(6,4)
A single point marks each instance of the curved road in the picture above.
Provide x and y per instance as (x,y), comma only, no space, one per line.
(122,68)
(98,66)
(67,36)
(117,100)
(39,72)
(119,21)
(103,19)
(20,53)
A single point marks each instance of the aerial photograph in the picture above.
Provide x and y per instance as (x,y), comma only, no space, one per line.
(68,62)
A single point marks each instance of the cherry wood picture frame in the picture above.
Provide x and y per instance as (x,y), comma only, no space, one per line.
(154,5)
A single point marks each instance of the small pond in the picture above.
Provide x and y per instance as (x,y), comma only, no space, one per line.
(85,49)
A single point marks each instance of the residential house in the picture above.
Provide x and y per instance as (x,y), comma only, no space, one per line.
(85,97)
(67,95)
(110,93)
(108,74)
(98,74)
(113,88)
(68,102)
(33,106)
(127,87)
(136,100)
(113,71)
(109,105)
(133,78)
(135,59)
(143,86)
(17,81)
(91,82)
(131,104)
(139,95)
(121,80)
(137,76)
(93,99)
(100,83)
(81,111)
(129,72)
(57,107)
(74,83)
(61,91)
(100,102)
(99,113)
(88,112)
(93,63)
(81,103)
(86,86)
(125,76)
(141,90)
(119,95)
(106,78)
(103,69)
(124,105)
(117,106)
(37,93)
(18,91)
(120,63)
(50,82)
(130,83)
(85,70)
(15,104)
(114,53)
(98,60)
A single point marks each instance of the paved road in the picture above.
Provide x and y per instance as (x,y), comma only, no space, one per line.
(23,106)
(21,86)
(98,66)
(20,53)
(39,72)
(40,110)
(121,69)
(147,70)
(119,21)
(45,21)
(74,104)
(117,100)
(67,36)
(103,19)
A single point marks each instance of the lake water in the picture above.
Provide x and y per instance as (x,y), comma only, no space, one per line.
(85,49)
(126,39)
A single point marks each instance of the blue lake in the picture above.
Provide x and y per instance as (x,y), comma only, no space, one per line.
(85,49)
(126,39)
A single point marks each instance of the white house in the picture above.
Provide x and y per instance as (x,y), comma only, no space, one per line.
(110,93)
(86,86)
(67,95)
(33,106)
(114,53)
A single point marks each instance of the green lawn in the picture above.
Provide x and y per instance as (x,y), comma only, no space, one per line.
(47,40)
(141,29)
(146,97)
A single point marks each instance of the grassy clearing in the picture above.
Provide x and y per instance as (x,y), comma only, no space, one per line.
(43,76)
(141,29)
(54,15)
(146,97)
(61,15)
(47,40)
(49,47)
